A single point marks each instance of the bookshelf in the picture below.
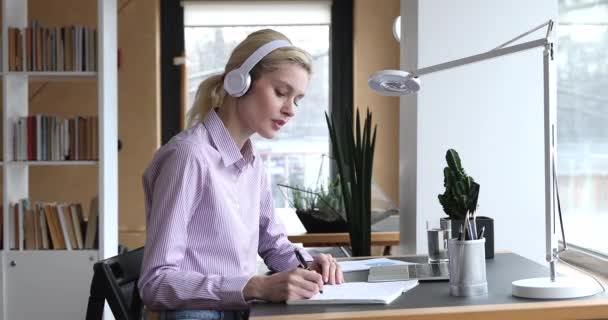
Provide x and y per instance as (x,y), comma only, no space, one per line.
(54,284)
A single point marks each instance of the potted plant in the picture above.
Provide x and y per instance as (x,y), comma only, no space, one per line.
(354,154)
(460,196)
(319,209)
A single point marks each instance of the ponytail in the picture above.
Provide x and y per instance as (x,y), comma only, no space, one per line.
(210,94)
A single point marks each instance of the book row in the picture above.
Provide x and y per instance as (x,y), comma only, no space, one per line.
(51,138)
(38,48)
(50,225)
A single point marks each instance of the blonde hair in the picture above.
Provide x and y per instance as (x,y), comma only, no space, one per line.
(210,93)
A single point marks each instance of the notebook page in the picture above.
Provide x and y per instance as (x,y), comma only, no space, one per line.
(359,293)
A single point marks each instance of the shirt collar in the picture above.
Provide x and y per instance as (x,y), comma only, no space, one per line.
(224,143)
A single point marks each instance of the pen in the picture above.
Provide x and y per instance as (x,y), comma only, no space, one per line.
(302,262)
(467,227)
(471,233)
(483,229)
(460,233)
(474,224)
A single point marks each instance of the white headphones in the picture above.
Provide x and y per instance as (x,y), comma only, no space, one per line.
(237,81)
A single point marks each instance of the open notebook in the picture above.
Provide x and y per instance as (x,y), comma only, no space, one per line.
(359,293)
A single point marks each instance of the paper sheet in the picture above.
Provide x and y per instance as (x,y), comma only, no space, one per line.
(359,293)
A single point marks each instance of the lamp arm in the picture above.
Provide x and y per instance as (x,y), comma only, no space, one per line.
(543,42)
(550,120)
(549,25)
(550,157)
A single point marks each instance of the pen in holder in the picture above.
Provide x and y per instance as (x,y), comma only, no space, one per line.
(467,265)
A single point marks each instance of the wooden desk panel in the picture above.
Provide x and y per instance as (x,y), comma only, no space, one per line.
(589,309)
(379,238)
(431,300)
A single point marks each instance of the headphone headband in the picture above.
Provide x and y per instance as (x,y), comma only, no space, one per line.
(261,52)
(237,81)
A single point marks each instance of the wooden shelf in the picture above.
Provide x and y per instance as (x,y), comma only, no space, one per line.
(380,238)
(54,75)
(56,163)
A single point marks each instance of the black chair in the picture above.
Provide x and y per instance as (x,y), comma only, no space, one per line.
(115,280)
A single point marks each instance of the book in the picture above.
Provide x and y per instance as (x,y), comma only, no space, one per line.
(63,224)
(91,231)
(29,223)
(359,293)
(64,209)
(76,212)
(417,271)
(358,265)
(44,228)
(1,226)
(52,220)
(12,225)
(21,225)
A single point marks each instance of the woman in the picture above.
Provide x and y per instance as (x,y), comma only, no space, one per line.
(209,208)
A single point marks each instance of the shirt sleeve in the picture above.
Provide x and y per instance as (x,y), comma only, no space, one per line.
(173,193)
(274,247)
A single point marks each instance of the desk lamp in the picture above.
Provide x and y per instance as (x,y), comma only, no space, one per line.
(398,83)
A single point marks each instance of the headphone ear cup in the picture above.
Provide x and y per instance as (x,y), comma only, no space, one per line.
(236,83)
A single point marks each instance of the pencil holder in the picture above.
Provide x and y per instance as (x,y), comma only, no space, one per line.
(467,265)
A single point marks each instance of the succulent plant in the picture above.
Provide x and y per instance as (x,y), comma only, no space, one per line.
(461,191)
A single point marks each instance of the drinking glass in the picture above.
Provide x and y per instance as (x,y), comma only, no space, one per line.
(437,239)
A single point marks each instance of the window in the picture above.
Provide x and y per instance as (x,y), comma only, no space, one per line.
(582,52)
(212,29)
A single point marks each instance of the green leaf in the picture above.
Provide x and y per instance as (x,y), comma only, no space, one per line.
(453,161)
(354,151)
(461,191)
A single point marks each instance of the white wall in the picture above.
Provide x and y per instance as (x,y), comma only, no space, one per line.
(490,112)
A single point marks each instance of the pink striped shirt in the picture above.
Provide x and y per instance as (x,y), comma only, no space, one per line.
(209,213)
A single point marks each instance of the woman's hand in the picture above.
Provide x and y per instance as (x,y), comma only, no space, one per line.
(287,285)
(327,266)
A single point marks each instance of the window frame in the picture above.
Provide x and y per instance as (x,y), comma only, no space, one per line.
(587,259)
(172,46)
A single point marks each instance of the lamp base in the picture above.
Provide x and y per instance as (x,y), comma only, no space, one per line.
(544,288)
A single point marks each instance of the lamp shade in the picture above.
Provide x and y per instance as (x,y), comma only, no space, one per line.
(394,83)
(397,28)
